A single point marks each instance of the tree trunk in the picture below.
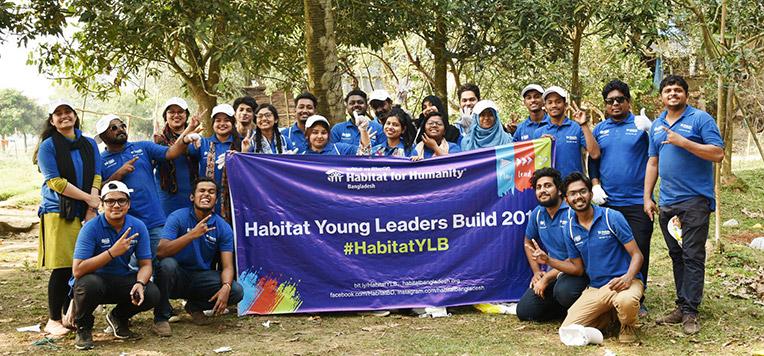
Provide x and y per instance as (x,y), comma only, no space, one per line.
(206,102)
(728,134)
(440,54)
(575,81)
(324,72)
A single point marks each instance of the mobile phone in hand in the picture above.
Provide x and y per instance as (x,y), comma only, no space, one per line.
(136,296)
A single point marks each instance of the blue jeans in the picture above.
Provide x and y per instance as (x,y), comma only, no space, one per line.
(559,295)
(197,287)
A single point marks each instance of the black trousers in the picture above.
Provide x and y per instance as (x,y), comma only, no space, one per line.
(92,290)
(642,228)
(559,295)
(688,259)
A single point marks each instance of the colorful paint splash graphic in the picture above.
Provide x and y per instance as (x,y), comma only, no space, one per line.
(265,294)
(516,163)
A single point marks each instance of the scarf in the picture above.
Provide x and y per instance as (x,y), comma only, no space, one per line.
(420,148)
(69,207)
(452,133)
(167,174)
(479,137)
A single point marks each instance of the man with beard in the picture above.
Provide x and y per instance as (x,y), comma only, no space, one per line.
(599,243)
(102,272)
(469,95)
(305,106)
(132,163)
(619,174)
(532,100)
(684,141)
(347,132)
(381,102)
(191,240)
(551,293)
(244,113)
(570,137)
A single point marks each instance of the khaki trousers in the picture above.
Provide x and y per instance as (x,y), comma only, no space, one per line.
(598,307)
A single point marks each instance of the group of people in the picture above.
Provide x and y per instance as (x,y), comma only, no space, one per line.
(164,228)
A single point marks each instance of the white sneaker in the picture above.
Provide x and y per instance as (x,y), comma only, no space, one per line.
(55,328)
(431,312)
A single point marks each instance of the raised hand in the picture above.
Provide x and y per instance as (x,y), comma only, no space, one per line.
(201,227)
(126,169)
(579,116)
(123,244)
(673,138)
(246,143)
(642,122)
(537,253)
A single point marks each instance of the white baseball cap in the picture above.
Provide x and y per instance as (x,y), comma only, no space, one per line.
(482,105)
(530,87)
(222,108)
(314,119)
(557,90)
(175,101)
(102,125)
(56,103)
(115,186)
(381,95)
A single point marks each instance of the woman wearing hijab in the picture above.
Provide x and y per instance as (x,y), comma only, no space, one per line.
(267,138)
(400,132)
(71,167)
(485,130)
(317,139)
(173,178)
(433,142)
(430,104)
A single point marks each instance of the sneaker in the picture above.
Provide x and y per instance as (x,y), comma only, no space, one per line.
(119,327)
(162,329)
(55,328)
(690,324)
(642,311)
(628,334)
(675,317)
(84,339)
(198,317)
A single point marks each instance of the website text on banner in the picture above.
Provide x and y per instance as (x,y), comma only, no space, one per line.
(333,233)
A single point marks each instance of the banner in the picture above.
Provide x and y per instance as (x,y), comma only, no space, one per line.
(339,233)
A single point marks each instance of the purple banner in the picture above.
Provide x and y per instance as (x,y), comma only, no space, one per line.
(337,233)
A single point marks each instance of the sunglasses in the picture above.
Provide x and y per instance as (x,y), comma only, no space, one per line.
(615,99)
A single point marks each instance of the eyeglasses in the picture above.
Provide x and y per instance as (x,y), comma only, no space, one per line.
(434,124)
(175,113)
(113,202)
(118,127)
(576,193)
(615,99)
(265,116)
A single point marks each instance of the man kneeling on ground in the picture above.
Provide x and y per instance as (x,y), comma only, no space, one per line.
(600,243)
(191,240)
(551,293)
(102,271)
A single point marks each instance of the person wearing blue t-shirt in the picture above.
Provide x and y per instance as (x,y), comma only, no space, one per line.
(469,96)
(192,239)
(684,143)
(399,135)
(317,135)
(551,293)
(102,270)
(381,103)
(532,101)
(173,178)
(600,243)
(267,139)
(133,163)
(571,137)
(618,176)
(244,114)
(347,131)
(305,106)
(434,143)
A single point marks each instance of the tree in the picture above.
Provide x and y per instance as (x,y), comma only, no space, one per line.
(19,114)
(115,42)
(324,72)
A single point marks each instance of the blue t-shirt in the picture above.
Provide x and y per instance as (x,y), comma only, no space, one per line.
(525,129)
(621,166)
(683,174)
(602,247)
(286,145)
(97,236)
(297,137)
(335,149)
(144,200)
(347,132)
(46,160)
(174,201)
(397,151)
(452,148)
(549,231)
(199,254)
(203,151)
(568,142)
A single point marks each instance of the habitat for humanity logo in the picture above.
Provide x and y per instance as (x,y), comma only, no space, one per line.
(334,175)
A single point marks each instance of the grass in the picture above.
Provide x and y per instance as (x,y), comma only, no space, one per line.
(20,183)
(732,324)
